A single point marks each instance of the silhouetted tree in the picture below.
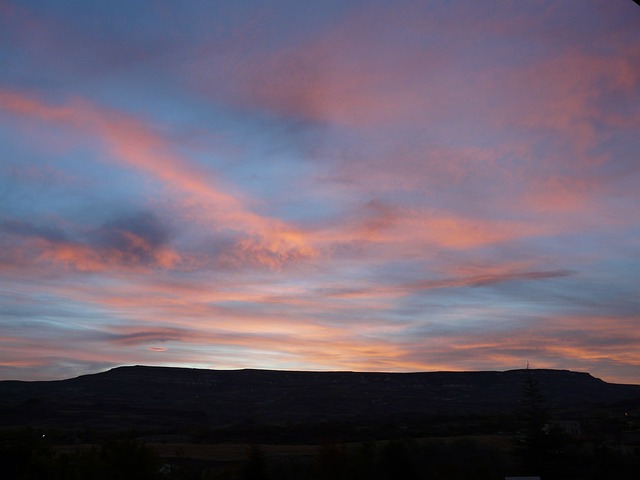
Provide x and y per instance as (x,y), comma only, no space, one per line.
(540,444)
(535,416)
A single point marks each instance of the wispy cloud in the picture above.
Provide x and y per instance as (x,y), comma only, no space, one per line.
(265,241)
(324,187)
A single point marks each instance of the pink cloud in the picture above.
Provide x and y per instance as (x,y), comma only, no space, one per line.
(568,94)
(27,253)
(265,241)
(554,100)
(270,242)
(463,152)
(412,230)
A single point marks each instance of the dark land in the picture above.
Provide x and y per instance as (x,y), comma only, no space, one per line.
(190,423)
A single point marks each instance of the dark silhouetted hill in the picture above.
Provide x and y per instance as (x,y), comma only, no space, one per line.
(159,397)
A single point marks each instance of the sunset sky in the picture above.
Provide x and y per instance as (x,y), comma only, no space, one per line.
(320,185)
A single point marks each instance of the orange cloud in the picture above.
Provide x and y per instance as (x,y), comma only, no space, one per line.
(264,241)
(135,145)
(413,230)
(87,258)
(567,94)
(574,342)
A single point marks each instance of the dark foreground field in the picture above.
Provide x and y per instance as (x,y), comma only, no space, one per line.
(29,456)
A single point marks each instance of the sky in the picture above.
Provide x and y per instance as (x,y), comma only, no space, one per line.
(340,185)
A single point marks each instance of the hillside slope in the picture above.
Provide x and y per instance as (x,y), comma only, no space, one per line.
(148,397)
